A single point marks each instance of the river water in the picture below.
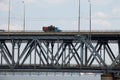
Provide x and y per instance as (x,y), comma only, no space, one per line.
(47,76)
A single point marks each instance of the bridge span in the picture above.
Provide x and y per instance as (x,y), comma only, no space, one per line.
(96,52)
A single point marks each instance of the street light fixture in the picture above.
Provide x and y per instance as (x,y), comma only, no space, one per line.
(9,12)
(23,15)
(79,16)
(90,19)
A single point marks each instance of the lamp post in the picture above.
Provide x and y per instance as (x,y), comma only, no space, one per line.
(90,19)
(23,15)
(79,16)
(9,15)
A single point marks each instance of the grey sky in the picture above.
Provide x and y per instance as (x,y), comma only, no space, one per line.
(61,13)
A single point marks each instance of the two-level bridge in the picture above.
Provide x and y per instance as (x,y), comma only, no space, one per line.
(96,52)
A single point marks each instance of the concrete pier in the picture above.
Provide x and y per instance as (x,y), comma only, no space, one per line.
(110,76)
(117,78)
(107,76)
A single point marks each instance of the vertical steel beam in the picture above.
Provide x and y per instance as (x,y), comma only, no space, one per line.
(52,49)
(70,51)
(119,49)
(1,57)
(86,55)
(13,50)
(82,54)
(35,53)
(104,52)
(18,44)
(47,52)
(40,57)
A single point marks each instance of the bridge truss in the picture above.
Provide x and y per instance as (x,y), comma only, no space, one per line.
(59,52)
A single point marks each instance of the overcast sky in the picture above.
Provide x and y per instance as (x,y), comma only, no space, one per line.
(63,14)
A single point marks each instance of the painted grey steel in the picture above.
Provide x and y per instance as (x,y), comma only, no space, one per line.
(60,52)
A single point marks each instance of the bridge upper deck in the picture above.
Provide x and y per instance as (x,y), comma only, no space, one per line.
(107,35)
(60,33)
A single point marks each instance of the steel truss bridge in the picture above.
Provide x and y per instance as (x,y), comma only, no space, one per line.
(96,52)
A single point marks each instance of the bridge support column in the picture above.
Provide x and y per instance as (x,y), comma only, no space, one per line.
(118,78)
(107,76)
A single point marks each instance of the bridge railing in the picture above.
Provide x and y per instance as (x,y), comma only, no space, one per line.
(1,30)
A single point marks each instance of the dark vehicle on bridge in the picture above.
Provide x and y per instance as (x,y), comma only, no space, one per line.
(51,28)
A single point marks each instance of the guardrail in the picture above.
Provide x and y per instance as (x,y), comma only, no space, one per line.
(62,31)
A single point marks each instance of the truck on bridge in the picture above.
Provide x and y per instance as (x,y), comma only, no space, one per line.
(51,28)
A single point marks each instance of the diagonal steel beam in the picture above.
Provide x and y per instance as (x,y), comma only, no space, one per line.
(116,61)
(80,60)
(39,54)
(74,52)
(92,59)
(28,53)
(61,53)
(92,54)
(57,53)
(7,51)
(91,48)
(43,51)
(24,51)
(111,52)
(5,57)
